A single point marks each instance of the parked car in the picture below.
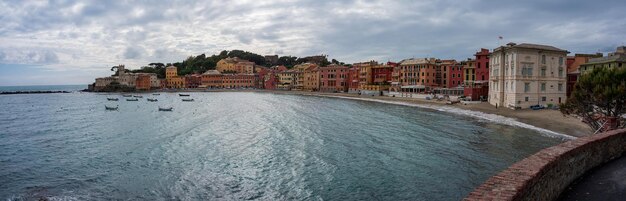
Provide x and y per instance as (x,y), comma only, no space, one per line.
(537,107)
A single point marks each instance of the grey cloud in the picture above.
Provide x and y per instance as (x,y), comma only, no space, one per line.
(133,52)
(41,57)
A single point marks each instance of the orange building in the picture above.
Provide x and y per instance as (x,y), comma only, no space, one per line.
(143,82)
(211,79)
(172,78)
(238,81)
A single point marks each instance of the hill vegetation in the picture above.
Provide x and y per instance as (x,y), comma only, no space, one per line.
(201,63)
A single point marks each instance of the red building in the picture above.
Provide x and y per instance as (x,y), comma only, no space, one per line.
(479,88)
(482,65)
(334,78)
(270,80)
(193,81)
(353,80)
(573,63)
(453,75)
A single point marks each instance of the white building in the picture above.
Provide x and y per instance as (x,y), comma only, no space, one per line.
(527,74)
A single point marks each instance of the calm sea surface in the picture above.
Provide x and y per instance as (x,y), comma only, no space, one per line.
(44,88)
(246,146)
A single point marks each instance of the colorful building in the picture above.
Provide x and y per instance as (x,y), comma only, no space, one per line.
(527,74)
(311,79)
(452,74)
(172,78)
(211,79)
(234,81)
(193,81)
(235,65)
(613,60)
(476,80)
(287,79)
(300,68)
(143,82)
(353,79)
(573,64)
(334,78)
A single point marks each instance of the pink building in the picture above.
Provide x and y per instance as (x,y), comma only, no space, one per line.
(334,78)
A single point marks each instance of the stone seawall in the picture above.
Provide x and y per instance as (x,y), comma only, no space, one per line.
(546,174)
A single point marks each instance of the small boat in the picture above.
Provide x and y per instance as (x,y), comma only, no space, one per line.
(138,96)
(113,99)
(152,99)
(110,107)
(165,108)
(183,94)
(127,95)
(156,94)
(188,99)
(132,99)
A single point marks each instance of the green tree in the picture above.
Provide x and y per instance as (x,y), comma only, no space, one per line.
(599,96)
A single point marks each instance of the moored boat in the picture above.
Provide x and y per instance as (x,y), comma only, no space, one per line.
(183,94)
(138,96)
(165,108)
(156,94)
(188,99)
(127,95)
(110,107)
(132,99)
(113,99)
(152,99)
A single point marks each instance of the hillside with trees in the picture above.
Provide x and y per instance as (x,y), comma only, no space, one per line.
(201,63)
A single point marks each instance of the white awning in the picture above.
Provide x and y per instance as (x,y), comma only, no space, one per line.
(414,87)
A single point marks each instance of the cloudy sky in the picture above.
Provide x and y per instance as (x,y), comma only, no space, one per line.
(72,42)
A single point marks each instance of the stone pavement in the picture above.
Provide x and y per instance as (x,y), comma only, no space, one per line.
(605,183)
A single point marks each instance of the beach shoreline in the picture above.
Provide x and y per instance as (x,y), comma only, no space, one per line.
(550,120)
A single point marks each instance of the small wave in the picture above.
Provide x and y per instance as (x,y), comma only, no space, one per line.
(481,115)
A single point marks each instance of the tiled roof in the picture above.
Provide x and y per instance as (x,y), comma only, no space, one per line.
(537,46)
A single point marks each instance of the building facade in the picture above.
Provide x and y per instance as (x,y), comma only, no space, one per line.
(333,78)
(527,74)
(234,81)
(173,80)
(616,59)
(573,64)
(211,79)
(312,79)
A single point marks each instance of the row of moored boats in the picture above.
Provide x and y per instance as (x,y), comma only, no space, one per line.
(137,97)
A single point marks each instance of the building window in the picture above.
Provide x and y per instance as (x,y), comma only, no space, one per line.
(543,98)
(543,59)
(560,87)
(526,98)
(543,86)
(560,72)
(526,87)
(543,72)
(527,70)
(560,61)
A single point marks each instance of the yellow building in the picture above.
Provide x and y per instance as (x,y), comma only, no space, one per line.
(172,79)
(470,72)
(287,79)
(311,78)
(235,65)
(300,68)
